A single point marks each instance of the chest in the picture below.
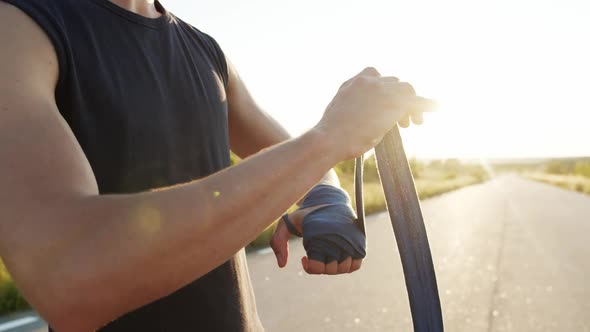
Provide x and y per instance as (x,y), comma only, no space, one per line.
(148,109)
(143,82)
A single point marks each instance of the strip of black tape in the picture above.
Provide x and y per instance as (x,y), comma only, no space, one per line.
(410,233)
(358,194)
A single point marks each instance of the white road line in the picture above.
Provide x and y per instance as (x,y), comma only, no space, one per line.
(18,322)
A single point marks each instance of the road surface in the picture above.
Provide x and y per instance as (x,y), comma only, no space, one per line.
(510,255)
(22,322)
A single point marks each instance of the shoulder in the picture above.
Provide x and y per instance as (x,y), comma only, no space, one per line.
(41,20)
(30,57)
(208,39)
(52,14)
(48,15)
(17,22)
(210,45)
(53,7)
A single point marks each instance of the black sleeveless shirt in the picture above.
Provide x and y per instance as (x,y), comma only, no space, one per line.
(146,100)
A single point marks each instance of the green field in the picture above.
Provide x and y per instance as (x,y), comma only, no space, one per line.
(571,173)
(571,182)
(568,173)
(10,299)
(432,178)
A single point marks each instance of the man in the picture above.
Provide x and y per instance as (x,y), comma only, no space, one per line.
(116,120)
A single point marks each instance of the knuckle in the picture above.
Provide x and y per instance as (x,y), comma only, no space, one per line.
(365,83)
(360,81)
(407,88)
(371,71)
(346,84)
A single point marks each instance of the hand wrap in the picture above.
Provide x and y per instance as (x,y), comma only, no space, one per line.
(330,232)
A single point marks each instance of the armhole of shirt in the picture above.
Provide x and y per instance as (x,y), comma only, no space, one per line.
(213,48)
(219,59)
(45,17)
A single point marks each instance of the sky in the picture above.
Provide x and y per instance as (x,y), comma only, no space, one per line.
(512,77)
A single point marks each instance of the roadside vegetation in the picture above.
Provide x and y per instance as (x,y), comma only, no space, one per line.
(10,298)
(432,178)
(572,173)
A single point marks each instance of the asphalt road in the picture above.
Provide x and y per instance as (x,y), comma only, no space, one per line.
(22,322)
(510,255)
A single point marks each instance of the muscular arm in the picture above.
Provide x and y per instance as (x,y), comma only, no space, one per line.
(83,259)
(77,255)
(250,128)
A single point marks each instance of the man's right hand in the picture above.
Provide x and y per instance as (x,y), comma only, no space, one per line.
(365,108)
(62,240)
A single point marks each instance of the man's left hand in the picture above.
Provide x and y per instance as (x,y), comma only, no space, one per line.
(280,245)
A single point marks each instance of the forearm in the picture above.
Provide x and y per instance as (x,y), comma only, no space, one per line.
(171,236)
(251,134)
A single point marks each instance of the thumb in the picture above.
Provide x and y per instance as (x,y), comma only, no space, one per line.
(280,243)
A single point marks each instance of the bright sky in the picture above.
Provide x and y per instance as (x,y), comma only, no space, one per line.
(512,76)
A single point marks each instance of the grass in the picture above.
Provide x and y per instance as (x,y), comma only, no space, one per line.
(375,201)
(568,173)
(10,298)
(426,188)
(572,182)
(435,179)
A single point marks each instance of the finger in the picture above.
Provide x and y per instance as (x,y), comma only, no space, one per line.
(399,88)
(305,264)
(400,95)
(389,79)
(424,104)
(332,268)
(369,71)
(404,122)
(344,266)
(331,255)
(356,264)
(315,267)
(417,118)
(280,244)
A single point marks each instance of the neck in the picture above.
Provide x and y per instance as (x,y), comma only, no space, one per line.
(145,8)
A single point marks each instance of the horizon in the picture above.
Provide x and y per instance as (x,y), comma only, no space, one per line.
(510,77)
(497,161)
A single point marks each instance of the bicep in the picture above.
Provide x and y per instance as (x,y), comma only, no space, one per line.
(251,129)
(41,159)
